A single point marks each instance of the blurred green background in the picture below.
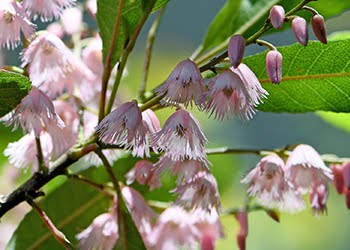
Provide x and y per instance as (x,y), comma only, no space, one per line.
(182,29)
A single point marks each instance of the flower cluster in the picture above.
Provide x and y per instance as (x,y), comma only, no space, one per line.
(277,184)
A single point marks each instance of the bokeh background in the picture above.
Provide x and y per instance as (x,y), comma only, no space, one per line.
(182,29)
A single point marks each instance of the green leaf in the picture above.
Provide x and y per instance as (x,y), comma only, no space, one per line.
(106,16)
(339,35)
(222,25)
(159,4)
(72,207)
(248,16)
(13,88)
(315,78)
(338,120)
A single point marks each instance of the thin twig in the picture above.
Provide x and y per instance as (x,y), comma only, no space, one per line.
(149,48)
(39,154)
(57,234)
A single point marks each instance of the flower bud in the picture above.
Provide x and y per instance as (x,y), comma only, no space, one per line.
(274,66)
(337,170)
(277,16)
(347,198)
(242,219)
(236,47)
(319,28)
(299,26)
(346,175)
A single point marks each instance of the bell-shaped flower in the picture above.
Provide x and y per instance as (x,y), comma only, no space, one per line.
(201,191)
(181,137)
(318,197)
(174,228)
(123,127)
(13,21)
(143,173)
(183,85)
(46,9)
(267,183)
(36,112)
(48,59)
(184,169)
(103,233)
(209,227)
(227,96)
(305,166)
(142,215)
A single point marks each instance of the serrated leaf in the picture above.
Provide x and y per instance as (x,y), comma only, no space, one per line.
(250,15)
(106,16)
(72,207)
(315,78)
(13,88)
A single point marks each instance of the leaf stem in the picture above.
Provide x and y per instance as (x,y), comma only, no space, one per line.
(57,234)
(108,66)
(129,47)
(149,48)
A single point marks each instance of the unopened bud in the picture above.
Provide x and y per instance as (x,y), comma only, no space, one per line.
(338,179)
(274,66)
(347,198)
(319,28)
(242,218)
(236,47)
(273,215)
(299,26)
(346,174)
(277,16)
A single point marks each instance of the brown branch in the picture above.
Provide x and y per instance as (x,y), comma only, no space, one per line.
(38,180)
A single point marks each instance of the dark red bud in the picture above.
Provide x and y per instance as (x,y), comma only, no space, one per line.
(277,16)
(346,174)
(242,218)
(319,28)
(338,180)
(299,26)
(274,66)
(347,198)
(236,47)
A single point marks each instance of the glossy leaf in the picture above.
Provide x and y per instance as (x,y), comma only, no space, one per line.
(72,207)
(248,16)
(315,78)
(13,87)
(106,18)
(159,4)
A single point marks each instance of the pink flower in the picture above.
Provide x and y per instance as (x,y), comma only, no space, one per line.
(72,20)
(13,20)
(56,29)
(48,59)
(300,29)
(277,15)
(101,234)
(252,84)
(143,172)
(318,197)
(305,166)
(91,5)
(183,85)
(92,57)
(35,112)
(174,227)
(267,183)
(141,213)
(123,127)
(46,9)
(337,170)
(228,96)
(209,227)
(201,191)
(236,47)
(23,153)
(274,66)
(181,137)
(185,169)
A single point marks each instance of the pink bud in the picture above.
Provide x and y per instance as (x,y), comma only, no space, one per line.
(299,26)
(274,66)
(346,175)
(277,16)
(347,198)
(236,47)
(242,218)
(208,243)
(337,170)
(319,28)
